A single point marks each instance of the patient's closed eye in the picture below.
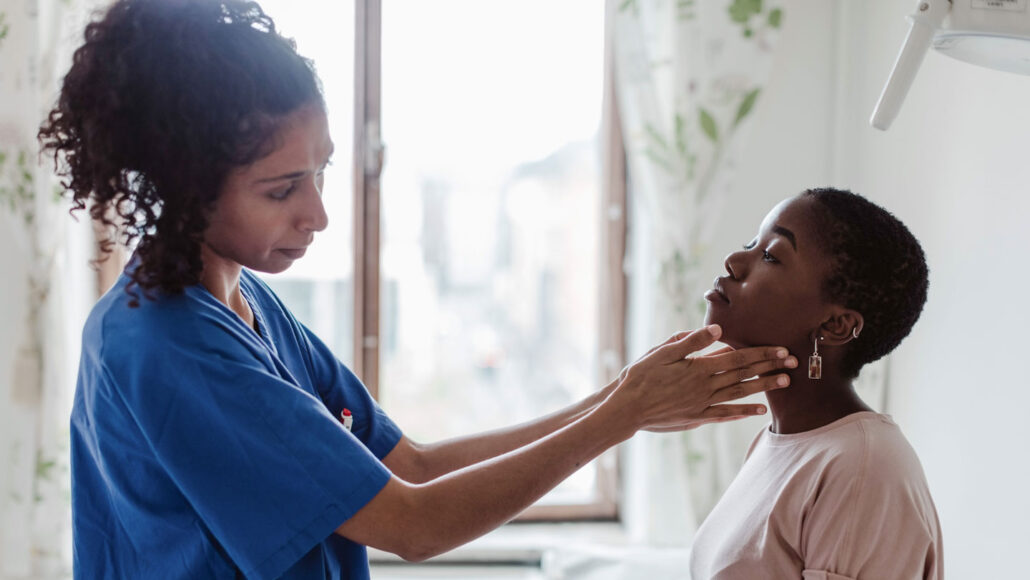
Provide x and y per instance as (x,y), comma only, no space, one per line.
(751,244)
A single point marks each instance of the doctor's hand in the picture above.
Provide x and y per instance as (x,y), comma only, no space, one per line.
(667,389)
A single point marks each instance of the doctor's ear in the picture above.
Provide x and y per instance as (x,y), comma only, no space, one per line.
(842,327)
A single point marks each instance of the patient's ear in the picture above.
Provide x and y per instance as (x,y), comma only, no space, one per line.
(843,326)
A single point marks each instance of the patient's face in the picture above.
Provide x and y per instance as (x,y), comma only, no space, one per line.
(772,293)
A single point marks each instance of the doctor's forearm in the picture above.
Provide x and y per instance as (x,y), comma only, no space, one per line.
(440,458)
(420,521)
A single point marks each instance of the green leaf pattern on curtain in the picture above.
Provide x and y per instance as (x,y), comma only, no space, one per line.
(689,76)
(748,12)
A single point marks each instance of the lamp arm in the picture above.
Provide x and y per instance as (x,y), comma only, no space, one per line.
(926,21)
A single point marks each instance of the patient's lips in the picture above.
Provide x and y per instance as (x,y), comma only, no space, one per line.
(717,294)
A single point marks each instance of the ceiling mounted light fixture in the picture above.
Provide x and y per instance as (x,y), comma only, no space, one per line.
(990,33)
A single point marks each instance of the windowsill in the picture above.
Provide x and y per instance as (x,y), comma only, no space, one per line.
(520,544)
(584,550)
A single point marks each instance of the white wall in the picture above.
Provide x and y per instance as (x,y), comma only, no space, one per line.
(956,168)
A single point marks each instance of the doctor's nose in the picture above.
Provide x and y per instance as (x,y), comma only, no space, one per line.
(313,217)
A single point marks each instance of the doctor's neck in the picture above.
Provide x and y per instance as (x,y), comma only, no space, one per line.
(221,277)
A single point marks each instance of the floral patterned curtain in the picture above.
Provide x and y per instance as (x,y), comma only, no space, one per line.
(36,38)
(688,74)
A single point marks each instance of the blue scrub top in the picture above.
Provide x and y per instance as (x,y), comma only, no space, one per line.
(203,449)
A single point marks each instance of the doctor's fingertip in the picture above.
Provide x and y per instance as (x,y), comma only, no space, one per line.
(715,330)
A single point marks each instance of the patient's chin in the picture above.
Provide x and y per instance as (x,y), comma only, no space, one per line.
(732,342)
(712,318)
(729,335)
(736,342)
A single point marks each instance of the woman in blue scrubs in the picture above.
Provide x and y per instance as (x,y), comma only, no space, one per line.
(208,435)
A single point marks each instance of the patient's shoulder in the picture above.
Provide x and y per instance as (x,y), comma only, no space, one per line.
(872,447)
(849,447)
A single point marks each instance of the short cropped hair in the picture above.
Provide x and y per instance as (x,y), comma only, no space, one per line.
(879,269)
(162,100)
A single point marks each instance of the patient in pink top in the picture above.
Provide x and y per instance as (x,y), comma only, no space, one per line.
(831,490)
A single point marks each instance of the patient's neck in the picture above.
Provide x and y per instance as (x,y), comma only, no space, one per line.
(809,403)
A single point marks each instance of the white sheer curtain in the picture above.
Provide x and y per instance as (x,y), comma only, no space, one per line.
(46,286)
(689,73)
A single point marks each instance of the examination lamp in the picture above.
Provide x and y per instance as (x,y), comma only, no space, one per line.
(990,33)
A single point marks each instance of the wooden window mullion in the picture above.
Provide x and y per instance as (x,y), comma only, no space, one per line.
(368,165)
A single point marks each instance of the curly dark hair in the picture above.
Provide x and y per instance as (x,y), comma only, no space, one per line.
(879,270)
(162,100)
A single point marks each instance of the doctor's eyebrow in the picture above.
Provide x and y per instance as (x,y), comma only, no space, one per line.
(787,234)
(284,177)
(296,174)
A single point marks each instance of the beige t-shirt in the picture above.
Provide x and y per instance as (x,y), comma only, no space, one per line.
(845,501)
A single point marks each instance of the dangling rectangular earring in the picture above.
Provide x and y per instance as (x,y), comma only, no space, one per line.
(815,362)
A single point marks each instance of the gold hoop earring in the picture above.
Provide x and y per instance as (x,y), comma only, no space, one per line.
(815,362)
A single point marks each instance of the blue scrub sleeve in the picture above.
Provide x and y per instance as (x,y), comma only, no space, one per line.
(266,466)
(337,386)
(340,388)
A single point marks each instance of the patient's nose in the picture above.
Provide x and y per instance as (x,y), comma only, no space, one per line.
(734,265)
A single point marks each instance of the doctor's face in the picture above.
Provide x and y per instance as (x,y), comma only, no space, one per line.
(772,292)
(268,212)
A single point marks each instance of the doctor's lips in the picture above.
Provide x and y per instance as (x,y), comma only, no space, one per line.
(717,294)
(293,253)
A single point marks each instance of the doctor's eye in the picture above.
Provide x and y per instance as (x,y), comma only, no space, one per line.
(283,194)
(766,256)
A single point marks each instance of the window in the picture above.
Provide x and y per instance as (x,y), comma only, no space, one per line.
(490,215)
